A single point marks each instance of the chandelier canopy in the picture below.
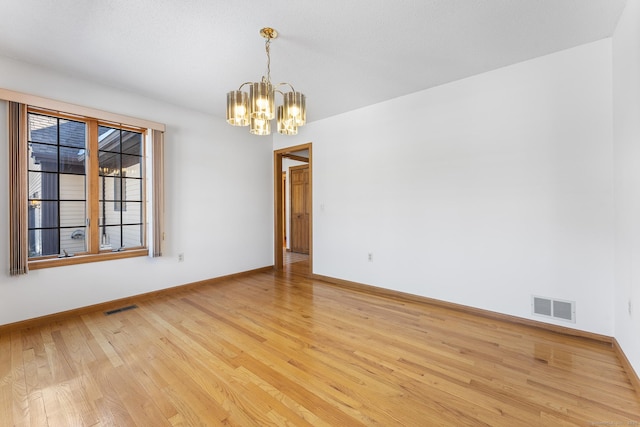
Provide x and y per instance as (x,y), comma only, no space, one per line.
(257,108)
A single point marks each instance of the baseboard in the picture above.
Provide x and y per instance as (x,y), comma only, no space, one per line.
(398,295)
(109,305)
(633,375)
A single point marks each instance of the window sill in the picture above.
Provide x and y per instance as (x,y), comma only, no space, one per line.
(83,259)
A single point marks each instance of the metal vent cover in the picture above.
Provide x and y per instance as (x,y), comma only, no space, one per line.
(118,310)
(557,309)
(542,306)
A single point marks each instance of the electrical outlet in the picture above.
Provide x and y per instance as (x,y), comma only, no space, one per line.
(370,257)
(629,307)
(180,257)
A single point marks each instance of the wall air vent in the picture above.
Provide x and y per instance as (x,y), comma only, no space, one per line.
(557,309)
(118,310)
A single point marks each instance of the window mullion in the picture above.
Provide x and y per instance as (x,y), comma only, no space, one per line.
(57,196)
(93,192)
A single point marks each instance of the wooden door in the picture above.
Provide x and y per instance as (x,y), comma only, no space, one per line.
(283,188)
(300,208)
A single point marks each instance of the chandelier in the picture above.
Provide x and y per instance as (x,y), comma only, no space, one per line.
(257,108)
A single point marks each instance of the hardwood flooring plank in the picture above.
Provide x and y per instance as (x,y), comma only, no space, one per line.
(104,344)
(37,413)
(6,381)
(317,401)
(19,382)
(281,404)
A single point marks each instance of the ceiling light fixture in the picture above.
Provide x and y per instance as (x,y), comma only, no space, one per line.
(257,108)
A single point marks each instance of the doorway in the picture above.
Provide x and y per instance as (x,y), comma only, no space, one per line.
(299,180)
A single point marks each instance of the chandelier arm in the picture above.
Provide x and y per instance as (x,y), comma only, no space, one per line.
(285,84)
(243,84)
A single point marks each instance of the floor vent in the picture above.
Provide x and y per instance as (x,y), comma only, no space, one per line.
(118,310)
(557,309)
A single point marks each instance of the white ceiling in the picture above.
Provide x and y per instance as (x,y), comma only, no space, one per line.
(343,54)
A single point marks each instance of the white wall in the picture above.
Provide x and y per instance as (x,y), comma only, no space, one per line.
(626,131)
(481,192)
(219,218)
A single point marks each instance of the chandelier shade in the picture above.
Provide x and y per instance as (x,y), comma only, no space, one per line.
(260,126)
(295,108)
(258,107)
(261,101)
(237,108)
(285,127)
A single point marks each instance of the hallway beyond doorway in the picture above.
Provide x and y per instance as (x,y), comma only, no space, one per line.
(296,263)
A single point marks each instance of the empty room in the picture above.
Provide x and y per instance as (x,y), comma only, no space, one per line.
(338,213)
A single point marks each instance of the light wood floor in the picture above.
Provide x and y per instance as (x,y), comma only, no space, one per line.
(296,263)
(281,349)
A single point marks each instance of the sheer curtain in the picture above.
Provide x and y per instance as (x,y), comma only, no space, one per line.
(18,166)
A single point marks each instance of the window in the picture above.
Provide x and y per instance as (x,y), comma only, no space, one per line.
(60,198)
(120,155)
(57,185)
(78,184)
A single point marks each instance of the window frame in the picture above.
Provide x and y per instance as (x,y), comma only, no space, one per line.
(92,234)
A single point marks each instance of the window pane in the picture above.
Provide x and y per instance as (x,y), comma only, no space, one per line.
(110,237)
(43,242)
(109,163)
(132,143)
(118,205)
(108,214)
(72,187)
(133,189)
(108,139)
(72,160)
(132,235)
(102,130)
(43,214)
(43,157)
(107,186)
(43,185)
(73,240)
(131,166)
(72,133)
(72,214)
(133,213)
(43,129)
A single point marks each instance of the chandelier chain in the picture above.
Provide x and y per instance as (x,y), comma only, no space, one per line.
(267,48)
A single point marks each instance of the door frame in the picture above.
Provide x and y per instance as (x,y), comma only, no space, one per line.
(278,201)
